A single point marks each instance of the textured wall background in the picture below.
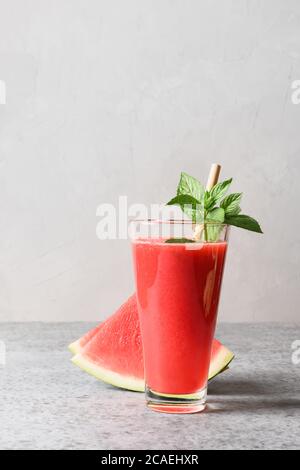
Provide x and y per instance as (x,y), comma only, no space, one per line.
(117,97)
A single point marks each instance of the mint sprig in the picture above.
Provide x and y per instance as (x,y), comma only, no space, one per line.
(231,204)
(192,207)
(190,193)
(188,185)
(216,215)
(219,190)
(243,221)
(212,207)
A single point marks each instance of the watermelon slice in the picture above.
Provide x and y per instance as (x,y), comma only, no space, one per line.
(112,351)
(78,345)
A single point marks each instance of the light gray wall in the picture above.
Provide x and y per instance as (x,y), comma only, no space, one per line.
(117,97)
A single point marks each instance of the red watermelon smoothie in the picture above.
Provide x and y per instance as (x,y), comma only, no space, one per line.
(178,289)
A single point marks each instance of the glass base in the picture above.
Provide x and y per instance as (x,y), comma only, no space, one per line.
(177,404)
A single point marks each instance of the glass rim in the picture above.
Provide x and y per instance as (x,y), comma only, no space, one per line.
(175,222)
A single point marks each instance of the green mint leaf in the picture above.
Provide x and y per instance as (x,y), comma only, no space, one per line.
(191,186)
(234,211)
(189,205)
(209,202)
(184,199)
(179,240)
(216,215)
(231,203)
(243,221)
(219,190)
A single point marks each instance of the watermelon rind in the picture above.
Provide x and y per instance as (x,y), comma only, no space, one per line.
(218,364)
(74,347)
(108,376)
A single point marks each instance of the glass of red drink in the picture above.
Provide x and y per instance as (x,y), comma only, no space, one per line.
(178,281)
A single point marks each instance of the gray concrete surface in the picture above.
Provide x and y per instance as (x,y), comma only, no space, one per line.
(47,403)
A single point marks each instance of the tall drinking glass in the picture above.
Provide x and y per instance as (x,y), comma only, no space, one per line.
(178,283)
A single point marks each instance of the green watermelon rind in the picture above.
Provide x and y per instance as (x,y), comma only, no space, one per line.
(108,376)
(218,364)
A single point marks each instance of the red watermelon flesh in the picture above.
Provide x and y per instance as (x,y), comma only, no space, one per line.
(112,351)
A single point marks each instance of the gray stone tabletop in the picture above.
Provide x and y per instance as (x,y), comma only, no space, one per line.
(47,403)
